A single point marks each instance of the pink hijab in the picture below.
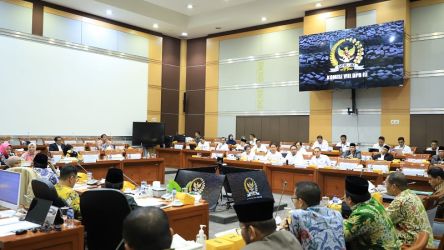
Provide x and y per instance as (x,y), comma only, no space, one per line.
(3,147)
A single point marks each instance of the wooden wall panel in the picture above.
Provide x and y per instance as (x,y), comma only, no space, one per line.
(425,128)
(274,128)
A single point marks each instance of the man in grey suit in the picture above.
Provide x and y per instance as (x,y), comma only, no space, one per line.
(439,158)
(258,226)
(352,152)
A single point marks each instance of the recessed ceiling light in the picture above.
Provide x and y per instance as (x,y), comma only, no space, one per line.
(155,26)
(109,12)
(189,6)
(184,34)
(318,5)
(263,19)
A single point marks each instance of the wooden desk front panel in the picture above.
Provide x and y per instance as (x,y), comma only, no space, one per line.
(245,164)
(187,154)
(68,239)
(145,170)
(197,162)
(171,157)
(100,168)
(185,220)
(276,176)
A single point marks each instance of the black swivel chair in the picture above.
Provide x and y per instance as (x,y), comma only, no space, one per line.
(44,189)
(103,212)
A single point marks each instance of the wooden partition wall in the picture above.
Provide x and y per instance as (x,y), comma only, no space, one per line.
(274,128)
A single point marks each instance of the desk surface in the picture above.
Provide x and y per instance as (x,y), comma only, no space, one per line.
(67,239)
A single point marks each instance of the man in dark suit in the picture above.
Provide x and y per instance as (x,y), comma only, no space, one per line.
(384,155)
(439,158)
(58,145)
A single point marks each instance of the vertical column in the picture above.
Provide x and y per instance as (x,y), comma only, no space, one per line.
(170,84)
(395,101)
(154,79)
(195,86)
(37,18)
(212,87)
(182,85)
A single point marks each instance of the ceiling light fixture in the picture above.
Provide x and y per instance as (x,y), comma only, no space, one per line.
(156,26)
(318,5)
(263,19)
(109,12)
(189,6)
(184,34)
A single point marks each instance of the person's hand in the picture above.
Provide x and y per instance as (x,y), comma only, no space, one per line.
(285,224)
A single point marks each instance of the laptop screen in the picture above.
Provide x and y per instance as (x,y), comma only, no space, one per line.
(9,189)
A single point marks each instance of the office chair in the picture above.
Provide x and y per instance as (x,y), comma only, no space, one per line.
(44,189)
(103,212)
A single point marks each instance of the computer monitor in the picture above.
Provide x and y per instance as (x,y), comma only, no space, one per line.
(9,189)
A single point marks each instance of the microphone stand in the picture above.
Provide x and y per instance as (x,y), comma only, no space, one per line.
(284,185)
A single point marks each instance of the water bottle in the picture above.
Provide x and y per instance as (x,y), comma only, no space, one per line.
(150,191)
(173,195)
(143,185)
(70,218)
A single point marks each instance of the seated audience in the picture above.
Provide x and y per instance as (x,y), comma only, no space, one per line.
(294,157)
(30,154)
(68,178)
(203,145)
(300,148)
(104,143)
(273,155)
(343,144)
(57,145)
(405,149)
(433,146)
(319,159)
(368,226)
(222,146)
(380,144)
(406,211)
(241,145)
(352,152)
(436,180)
(5,152)
(252,139)
(315,226)
(259,147)
(248,154)
(384,155)
(13,161)
(231,140)
(439,157)
(69,151)
(40,165)
(320,143)
(258,227)
(197,136)
(147,228)
(114,180)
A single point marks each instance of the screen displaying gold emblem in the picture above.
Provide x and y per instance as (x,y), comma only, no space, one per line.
(346,54)
(196,185)
(250,187)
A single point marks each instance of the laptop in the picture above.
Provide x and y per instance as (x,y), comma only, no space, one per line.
(34,218)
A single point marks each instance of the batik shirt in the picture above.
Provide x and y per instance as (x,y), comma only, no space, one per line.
(409,217)
(318,227)
(47,174)
(70,196)
(369,227)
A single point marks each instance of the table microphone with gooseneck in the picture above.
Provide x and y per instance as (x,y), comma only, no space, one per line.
(284,185)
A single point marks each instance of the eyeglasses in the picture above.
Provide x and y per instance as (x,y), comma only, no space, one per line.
(294,199)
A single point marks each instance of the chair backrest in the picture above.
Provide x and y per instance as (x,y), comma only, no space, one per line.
(420,242)
(44,189)
(27,175)
(103,212)
(431,214)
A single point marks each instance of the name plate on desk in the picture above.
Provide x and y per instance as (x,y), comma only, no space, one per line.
(134,156)
(413,171)
(90,158)
(347,166)
(382,168)
(178,146)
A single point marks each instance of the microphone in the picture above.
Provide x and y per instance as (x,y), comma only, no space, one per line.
(131,180)
(78,165)
(284,185)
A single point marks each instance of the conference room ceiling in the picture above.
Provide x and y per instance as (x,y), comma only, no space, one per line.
(174,17)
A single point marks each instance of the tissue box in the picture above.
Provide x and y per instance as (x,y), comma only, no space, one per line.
(237,240)
(185,198)
(219,244)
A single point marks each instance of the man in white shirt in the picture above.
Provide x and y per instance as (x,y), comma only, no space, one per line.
(344,144)
(295,157)
(405,149)
(259,147)
(433,146)
(203,145)
(273,155)
(381,143)
(248,154)
(222,146)
(253,139)
(241,145)
(319,159)
(320,143)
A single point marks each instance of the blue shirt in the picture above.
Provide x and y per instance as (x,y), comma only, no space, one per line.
(47,174)
(318,227)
